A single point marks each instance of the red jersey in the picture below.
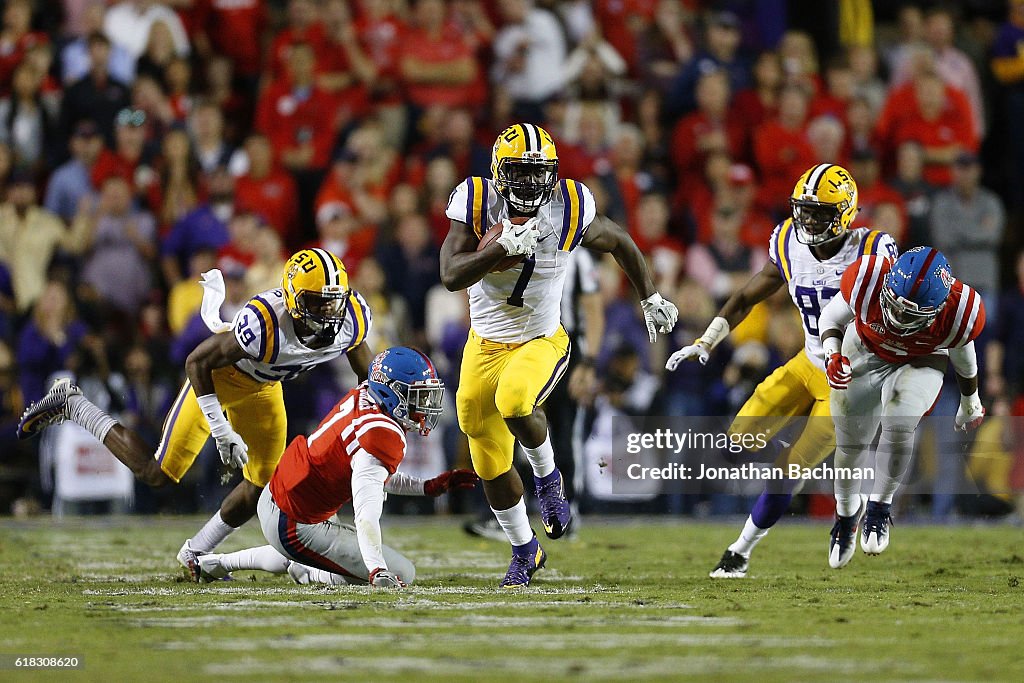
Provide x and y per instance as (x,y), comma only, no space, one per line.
(314,477)
(959,322)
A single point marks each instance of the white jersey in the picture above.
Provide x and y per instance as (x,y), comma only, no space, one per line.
(524,302)
(264,329)
(813,283)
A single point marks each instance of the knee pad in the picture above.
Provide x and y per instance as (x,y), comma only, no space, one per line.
(488,467)
(513,398)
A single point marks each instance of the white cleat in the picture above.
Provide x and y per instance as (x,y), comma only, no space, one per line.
(843,539)
(874,537)
(299,573)
(51,409)
(210,568)
(189,559)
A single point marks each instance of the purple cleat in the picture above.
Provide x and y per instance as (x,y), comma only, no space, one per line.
(555,513)
(526,559)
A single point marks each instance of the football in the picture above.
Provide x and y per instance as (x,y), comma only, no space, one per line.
(493,233)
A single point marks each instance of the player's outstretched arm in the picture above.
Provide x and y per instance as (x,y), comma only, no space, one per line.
(368,477)
(461,264)
(360,358)
(965,364)
(733,311)
(218,351)
(401,484)
(607,236)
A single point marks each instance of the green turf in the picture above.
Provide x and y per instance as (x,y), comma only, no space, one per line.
(623,601)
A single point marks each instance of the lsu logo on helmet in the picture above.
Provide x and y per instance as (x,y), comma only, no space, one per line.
(316,288)
(524,166)
(823,203)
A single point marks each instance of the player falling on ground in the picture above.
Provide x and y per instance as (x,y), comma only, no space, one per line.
(517,349)
(351,456)
(886,371)
(314,318)
(809,254)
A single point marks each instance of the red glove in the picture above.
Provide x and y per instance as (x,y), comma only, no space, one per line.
(838,371)
(449,481)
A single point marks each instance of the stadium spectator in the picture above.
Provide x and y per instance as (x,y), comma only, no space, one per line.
(800,64)
(158,54)
(76,55)
(268,263)
(48,339)
(530,52)
(16,38)
(380,31)
(240,250)
(910,21)
(626,180)
(186,295)
(760,102)
(98,95)
(130,22)
(268,190)
(1004,368)
(206,127)
(782,150)
(873,191)
(303,27)
(346,67)
(29,237)
(436,63)
(235,104)
(120,248)
(916,192)
(827,136)
(410,263)
(178,178)
(935,116)
(950,63)
(1008,68)
(341,234)
(127,158)
(234,29)
(665,252)
(860,128)
(863,62)
(967,225)
(390,310)
(205,227)
(720,51)
(298,119)
(459,143)
(27,125)
(73,180)
(708,130)
(664,47)
(725,263)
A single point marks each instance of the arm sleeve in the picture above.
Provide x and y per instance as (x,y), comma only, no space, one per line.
(836,316)
(402,484)
(964,360)
(368,477)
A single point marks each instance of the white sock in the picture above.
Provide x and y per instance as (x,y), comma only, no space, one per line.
(749,538)
(323,576)
(264,558)
(542,458)
(93,419)
(516,523)
(211,535)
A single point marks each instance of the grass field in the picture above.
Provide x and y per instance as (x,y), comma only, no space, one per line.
(625,600)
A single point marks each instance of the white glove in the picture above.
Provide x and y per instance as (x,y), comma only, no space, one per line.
(382,578)
(232,449)
(695,351)
(659,314)
(519,240)
(970,413)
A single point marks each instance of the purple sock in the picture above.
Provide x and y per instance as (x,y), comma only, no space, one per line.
(769,508)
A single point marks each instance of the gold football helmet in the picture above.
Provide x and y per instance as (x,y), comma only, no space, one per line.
(316,289)
(524,166)
(824,203)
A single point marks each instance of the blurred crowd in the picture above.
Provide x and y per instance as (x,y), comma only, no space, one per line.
(143,143)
